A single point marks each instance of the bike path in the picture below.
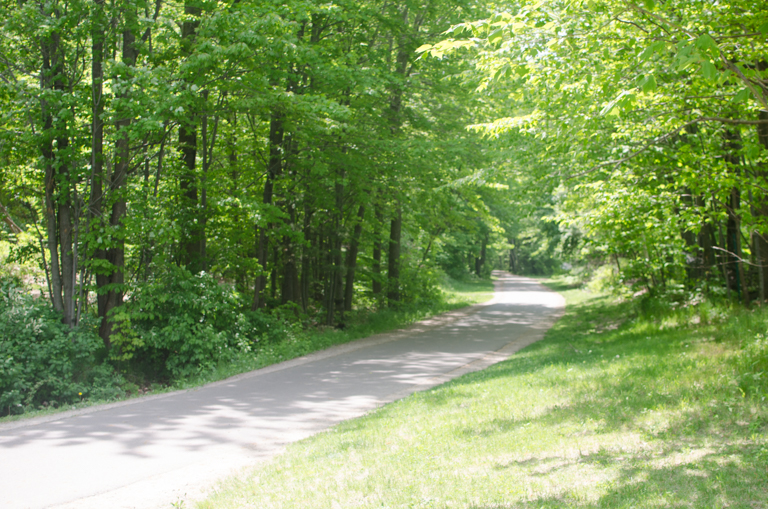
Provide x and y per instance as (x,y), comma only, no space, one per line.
(159,450)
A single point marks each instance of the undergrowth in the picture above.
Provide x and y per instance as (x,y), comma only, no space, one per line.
(178,331)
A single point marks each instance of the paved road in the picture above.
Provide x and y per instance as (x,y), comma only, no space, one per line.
(158,450)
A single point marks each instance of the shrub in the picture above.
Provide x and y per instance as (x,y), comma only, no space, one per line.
(43,360)
(180,324)
(420,286)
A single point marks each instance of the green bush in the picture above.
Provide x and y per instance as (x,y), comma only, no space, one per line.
(44,361)
(180,324)
(420,286)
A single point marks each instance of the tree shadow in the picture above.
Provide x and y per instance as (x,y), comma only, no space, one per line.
(709,456)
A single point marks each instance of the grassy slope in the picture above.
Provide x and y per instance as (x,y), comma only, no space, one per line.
(606,411)
(455,294)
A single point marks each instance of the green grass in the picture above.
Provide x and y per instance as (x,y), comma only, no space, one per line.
(454,294)
(612,409)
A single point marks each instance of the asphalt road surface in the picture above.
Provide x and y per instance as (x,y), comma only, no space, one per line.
(156,451)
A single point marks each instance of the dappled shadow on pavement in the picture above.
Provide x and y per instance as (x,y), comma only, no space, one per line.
(256,415)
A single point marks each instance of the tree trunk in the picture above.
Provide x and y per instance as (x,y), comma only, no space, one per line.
(289,291)
(57,204)
(379,219)
(761,237)
(209,142)
(480,262)
(393,260)
(349,288)
(306,257)
(193,232)
(512,257)
(96,199)
(706,258)
(51,226)
(334,296)
(733,228)
(274,167)
(693,266)
(116,253)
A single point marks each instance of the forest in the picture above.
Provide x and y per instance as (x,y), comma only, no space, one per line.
(180,181)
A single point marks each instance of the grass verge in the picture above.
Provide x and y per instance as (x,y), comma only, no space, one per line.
(453,295)
(612,409)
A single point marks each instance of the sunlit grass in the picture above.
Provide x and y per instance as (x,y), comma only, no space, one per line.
(462,293)
(610,410)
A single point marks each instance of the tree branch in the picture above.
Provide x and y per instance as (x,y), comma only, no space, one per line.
(732,121)
(9,221)
(617,162)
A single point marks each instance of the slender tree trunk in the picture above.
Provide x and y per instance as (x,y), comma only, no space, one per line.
(334,297)
(288,292)
(116,253)
(66,223)
(732,236)
(306,257)
(706,234)
(56,203)
(274,168)
(732,145)
(96,199)
(393,260)
(761,237)
(193,232)
(480,262)
(723,260)
(273,273)
(349,288)
(513,257)
(51,227)
(379,219)
(693,250)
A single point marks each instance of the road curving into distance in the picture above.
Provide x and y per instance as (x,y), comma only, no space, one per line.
(160,450)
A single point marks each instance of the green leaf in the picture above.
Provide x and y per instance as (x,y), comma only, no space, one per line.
(686,55)
(709,70)
(496,36)
(647,53)
(706,42)
(763,28)
(742,95)
(650,4)
(609,108)
(649,84)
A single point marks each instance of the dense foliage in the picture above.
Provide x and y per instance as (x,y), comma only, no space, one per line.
(192,176)
(42,361)
(646,125)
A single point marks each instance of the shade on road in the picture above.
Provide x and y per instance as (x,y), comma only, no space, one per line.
(154,451)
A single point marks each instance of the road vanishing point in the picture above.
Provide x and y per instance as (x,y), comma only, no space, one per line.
(156,451)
